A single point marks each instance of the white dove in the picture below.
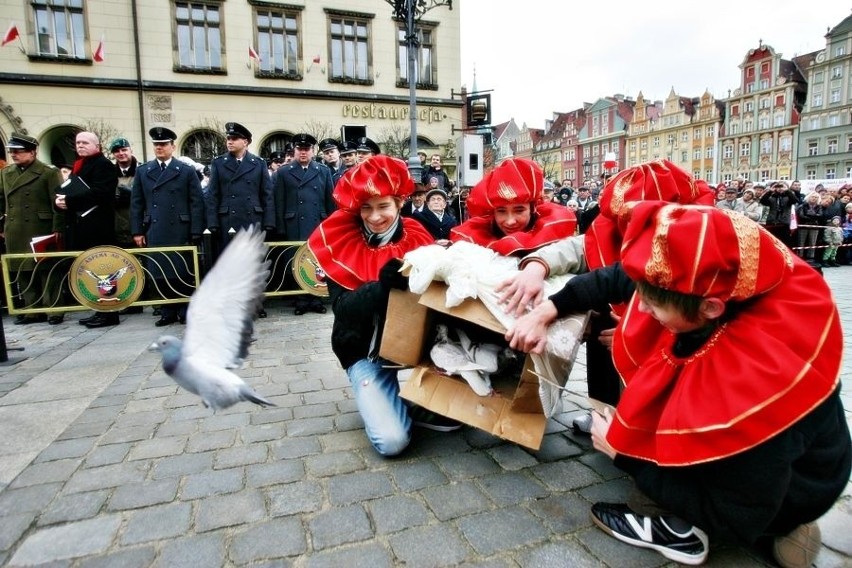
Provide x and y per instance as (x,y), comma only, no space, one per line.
(219,326)
(452,358)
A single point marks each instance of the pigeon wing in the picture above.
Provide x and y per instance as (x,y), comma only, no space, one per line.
(220,314)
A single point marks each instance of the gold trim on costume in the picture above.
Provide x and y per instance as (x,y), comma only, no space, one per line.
(699,249)
(506,191)
(658,271)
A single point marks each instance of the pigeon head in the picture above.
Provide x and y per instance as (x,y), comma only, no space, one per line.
(170,348)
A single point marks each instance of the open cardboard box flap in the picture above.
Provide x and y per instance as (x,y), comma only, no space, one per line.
(512,413)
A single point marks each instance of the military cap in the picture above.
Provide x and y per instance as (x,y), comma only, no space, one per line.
(303,140)
(22,142)
(237,129)
(348,147)
(289,149)
(161,134)
(118,143)
(328,144)
(276,156)
(367,145)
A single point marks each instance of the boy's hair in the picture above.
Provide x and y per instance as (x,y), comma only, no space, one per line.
(688,305)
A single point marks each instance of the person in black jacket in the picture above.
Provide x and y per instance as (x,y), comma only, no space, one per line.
(780,202)
(435,217)
(729,430)
(360,247)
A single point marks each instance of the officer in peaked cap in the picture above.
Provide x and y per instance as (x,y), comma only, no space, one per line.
(22,142)
(238,130)
(275,161)
(330,149)
(348,153)
(328,144)
(303,140)
(161,135)
(367,148)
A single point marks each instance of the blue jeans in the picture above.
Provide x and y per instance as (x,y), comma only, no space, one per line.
(385,416)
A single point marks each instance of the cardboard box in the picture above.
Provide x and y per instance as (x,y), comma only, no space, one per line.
(514,412)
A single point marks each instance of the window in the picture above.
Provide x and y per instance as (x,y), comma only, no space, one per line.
(840,51)
(818,77)
(817,100)
(349,38)
(779,120)
(684,156)
(849,143)
(749,107)
(426,76)
(199,36)
(696,134)
(696,174)
(815,123)
(810,172)
(595,150)
(656,141)
(833,120)
(735,128)
(684,136)
(835,95)
(766,146)
(831,145)
(779,100)
(633,145)
(836,72)
(670,139)
(727,177)
(615,146)
(764,83)
(277,42)
(764,175)
(813,147)
(203,145)
(711,131)
(848,172)
(764,102)
(747,126)
(728,151)
(750,87)
(61,31)
(763,123)
(785,144)
(696,153)
(745,149)
(735,110)
(830,171)
(644,143)
(708,153)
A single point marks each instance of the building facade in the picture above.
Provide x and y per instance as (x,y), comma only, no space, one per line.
(605,131)
(825,131)
(278,68)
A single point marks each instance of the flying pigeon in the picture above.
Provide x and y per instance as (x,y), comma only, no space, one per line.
(219,326)
(452,358)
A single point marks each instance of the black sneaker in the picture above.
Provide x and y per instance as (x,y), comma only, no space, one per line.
(687,547)
(425,418)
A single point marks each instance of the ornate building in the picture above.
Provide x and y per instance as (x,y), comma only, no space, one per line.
(277,68)
(605,131)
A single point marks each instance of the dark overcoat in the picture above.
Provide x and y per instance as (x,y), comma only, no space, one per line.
(438,228)
(302,199)
(239,195)
(90,217)
(26,200)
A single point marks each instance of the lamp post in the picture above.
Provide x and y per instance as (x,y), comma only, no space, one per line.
(587,170)
(410,12)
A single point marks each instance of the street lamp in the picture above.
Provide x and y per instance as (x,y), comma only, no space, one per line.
(410,12)
(587,169)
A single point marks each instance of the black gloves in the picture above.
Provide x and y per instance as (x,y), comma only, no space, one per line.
(391,277)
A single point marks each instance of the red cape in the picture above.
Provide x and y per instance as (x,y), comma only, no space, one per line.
(554,222)
(341,249)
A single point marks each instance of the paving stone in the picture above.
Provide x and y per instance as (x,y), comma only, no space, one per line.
(315,410)
(431,546)
(82,538)
(613,552)
(145,494)
(558,554)
(320,397)
(156,523)
(310,426)
(228,510)
(208,483)
(27,499)
(193,552)
(107,455)
(602,465)
(565,476)
(416,475)
(615,491)
(182,428)
(283,471)
(194,412)
(455,500)
(464,466)
(344,441)
(286,449)
(556,447)
(47,472)
(271,539)
(505,529)
(373,555)
(107,476)
(141,557)
(299,497)
(512,488)
(563,514)
(338,526)
(130,434)
(357,487)
(184,464)
(74,507)
(427,444)
(396,513)
(262,433)
(206,441)
(64,449)
(159,447)
(223,422)
(351,421)
(835,527)
(85,430)
(239,456)
(13,526)
(511,457)
(480,438)
(336,463)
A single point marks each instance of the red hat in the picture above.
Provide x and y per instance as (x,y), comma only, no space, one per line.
(701,250)
(515,180)
(379,176)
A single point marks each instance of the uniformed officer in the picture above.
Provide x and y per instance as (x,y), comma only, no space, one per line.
(303,199)
(349,153)
(330,149)
(366,148)
(167,209)
(239,193)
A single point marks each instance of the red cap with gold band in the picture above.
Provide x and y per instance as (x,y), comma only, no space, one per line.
(660,180)
(379,176)
(515,180)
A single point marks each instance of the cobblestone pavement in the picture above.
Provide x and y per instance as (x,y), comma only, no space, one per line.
(104,462)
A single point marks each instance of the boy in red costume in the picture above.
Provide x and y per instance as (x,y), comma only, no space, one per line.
(730,430)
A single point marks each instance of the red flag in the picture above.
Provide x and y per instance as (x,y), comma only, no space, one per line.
(98,55)
(11,34)
(253,54)
(316,58)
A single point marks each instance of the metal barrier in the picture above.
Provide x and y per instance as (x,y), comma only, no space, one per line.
(43,277)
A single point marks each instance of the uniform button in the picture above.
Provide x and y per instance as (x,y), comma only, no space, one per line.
(302,217)
(301,203)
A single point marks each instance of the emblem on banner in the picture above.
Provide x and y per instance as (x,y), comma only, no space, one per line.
(308,274)
(106,278)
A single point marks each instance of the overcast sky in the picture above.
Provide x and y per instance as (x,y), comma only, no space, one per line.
(542,56)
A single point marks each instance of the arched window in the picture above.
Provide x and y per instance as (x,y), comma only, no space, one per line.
(203,145)
(275,142)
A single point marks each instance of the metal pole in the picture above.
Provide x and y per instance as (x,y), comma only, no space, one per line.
(414,167)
